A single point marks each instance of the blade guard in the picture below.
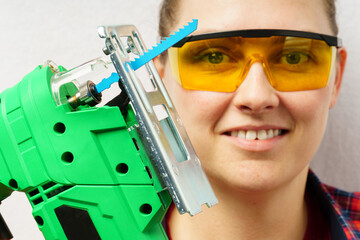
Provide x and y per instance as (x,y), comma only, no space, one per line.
(166,141)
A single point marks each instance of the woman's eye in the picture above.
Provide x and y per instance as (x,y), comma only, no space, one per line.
(294,58)
(211,55)
(215,57)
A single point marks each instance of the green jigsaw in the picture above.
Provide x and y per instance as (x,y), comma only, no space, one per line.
(99,172)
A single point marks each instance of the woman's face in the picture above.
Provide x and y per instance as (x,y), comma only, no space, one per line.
(212,118)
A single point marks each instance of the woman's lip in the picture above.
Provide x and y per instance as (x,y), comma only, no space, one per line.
(257,145)
(255,128)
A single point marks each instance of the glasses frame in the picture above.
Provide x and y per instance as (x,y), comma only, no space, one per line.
(262,33)
(332,41)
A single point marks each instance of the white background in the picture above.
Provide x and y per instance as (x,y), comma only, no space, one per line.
(65,32)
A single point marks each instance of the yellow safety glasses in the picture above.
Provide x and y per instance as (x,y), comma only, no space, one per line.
(292,60)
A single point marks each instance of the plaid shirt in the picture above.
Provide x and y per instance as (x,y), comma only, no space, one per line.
(343,209)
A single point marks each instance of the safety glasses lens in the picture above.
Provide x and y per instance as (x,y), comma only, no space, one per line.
(221,64)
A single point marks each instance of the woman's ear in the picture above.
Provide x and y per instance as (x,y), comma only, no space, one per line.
(159,66)
(340,67)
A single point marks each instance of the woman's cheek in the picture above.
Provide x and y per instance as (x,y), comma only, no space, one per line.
(309,111)
(306,105)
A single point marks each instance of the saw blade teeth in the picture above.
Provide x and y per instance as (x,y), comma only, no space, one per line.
(107,82)
(164,45)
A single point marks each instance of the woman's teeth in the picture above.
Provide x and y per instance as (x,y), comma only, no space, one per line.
(259,135)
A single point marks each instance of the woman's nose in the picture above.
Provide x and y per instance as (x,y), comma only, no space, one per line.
(255,94)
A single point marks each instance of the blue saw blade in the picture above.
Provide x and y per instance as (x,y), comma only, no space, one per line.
(151,53)
(106,82)
(164,45)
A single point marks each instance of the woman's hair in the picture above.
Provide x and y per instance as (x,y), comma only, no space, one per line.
(331,11)
(169,9)
(167,17)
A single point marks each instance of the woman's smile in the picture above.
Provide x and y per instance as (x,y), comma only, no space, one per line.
(260,139)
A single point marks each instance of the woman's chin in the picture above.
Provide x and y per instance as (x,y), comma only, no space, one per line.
(251,179)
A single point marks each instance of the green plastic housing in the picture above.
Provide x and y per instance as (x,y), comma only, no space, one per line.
(85,171)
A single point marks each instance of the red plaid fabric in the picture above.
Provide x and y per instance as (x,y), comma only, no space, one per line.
(343,208)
